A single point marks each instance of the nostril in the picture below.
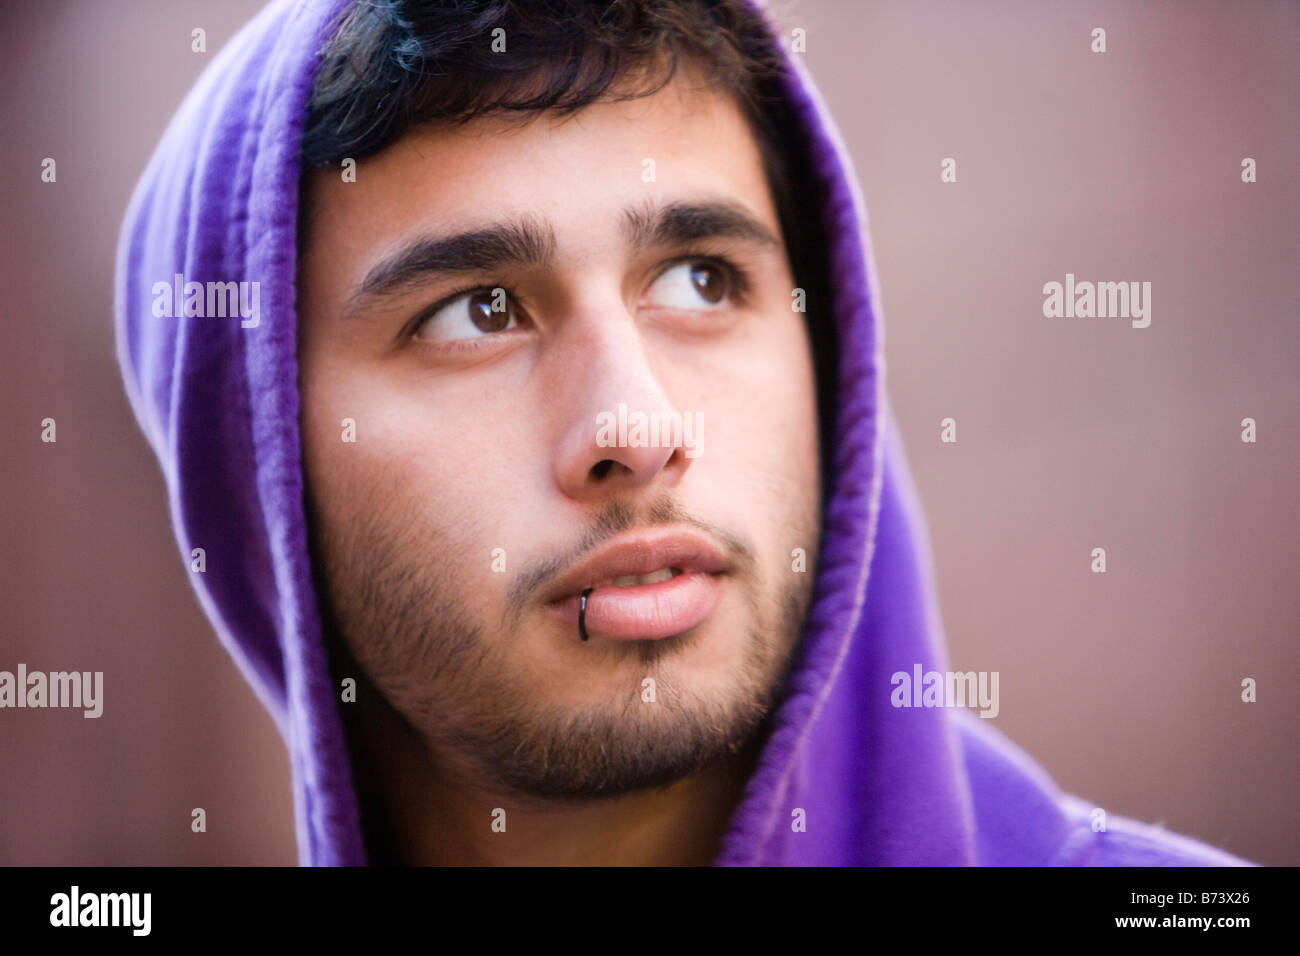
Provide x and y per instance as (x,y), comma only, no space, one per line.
(601,468)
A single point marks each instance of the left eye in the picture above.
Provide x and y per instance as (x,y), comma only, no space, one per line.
(690,285)
(464,317)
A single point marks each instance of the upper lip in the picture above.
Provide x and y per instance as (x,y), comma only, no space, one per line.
(640,553)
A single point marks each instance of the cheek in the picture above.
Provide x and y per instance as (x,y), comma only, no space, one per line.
(427,475)
(765,400)
(378,456)
(759,459)
(344,440)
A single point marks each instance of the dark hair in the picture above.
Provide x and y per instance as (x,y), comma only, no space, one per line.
(394,63)
(391,65)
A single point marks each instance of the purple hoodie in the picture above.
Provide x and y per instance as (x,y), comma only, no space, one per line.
(218,401)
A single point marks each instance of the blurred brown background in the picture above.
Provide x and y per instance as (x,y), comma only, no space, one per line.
(1073,433)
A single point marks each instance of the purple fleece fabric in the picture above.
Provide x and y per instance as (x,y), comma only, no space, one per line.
(218,402)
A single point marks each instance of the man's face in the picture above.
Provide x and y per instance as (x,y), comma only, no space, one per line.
(638,256)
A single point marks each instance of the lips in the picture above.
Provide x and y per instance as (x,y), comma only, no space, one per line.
(644,587)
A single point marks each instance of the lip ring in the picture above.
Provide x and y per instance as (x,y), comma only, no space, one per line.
(582,613)
(641,613)
(685,549)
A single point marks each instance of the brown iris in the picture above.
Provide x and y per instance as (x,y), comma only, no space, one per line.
(484,317)
(708,282)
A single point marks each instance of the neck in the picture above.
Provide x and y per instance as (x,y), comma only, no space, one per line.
(422,808)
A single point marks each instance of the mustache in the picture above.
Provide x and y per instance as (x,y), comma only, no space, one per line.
(614,518)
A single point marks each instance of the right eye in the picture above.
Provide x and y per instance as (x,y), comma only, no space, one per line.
(470,315)
(692,285)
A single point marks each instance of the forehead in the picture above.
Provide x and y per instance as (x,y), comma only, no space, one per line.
(576,172)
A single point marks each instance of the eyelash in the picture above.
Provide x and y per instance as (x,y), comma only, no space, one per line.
(426,313)
(739,282)
(739,288)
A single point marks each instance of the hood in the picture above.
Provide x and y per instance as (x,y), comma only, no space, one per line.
(218,402)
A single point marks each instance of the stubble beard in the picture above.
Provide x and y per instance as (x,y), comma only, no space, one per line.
(392,607)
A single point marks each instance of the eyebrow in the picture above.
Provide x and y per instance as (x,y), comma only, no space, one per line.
(655,224)
(530,241)
(524,241)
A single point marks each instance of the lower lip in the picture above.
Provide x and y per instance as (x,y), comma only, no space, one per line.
(645,611)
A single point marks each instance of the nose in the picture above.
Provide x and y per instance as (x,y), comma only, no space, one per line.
(622,432)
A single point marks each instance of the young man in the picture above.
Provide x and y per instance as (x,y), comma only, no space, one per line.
(547,487)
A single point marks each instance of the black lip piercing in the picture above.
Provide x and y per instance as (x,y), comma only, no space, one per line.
(582,613)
